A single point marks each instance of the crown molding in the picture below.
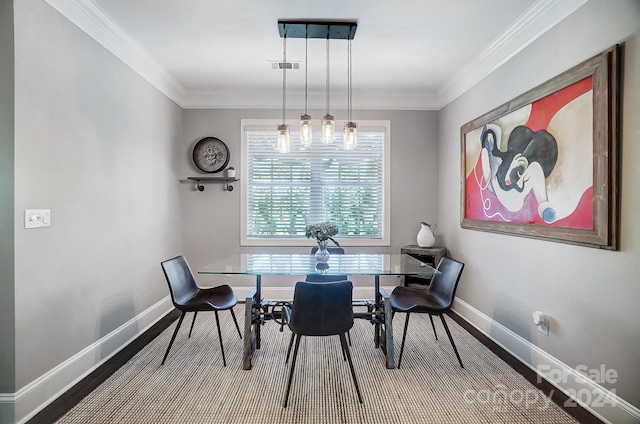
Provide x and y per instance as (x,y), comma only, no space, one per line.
(537,20)
(270,99)
(91,19)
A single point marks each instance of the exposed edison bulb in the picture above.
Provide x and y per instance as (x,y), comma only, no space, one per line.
(328,129)
(350,136)
(283,144)
(306,132)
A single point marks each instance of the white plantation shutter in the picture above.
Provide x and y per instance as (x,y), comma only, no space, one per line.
(285,192)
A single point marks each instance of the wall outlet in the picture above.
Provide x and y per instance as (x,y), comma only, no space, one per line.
(544,327)
(542,322)
(37,218)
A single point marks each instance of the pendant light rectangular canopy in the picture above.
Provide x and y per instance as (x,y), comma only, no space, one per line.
(333,30)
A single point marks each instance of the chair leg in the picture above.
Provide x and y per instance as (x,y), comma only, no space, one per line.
(293,336)
(404,338)
(345,348)
(224,360)
(293,366)
(446,328)
(236,322)
(195,314)
(349,337)
(433,326)
(173,337)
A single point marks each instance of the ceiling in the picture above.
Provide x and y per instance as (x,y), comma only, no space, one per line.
(406,54)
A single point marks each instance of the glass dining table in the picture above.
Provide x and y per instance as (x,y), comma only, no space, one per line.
(259,310)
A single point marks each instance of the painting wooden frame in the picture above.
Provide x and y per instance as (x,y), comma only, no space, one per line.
(545,165)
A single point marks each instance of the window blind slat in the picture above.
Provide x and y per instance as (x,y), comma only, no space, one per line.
(286,192)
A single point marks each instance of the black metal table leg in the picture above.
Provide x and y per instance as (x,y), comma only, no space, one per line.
(258,307)
(383,314)
(252,322)
(388,329)
(376,306)
(249,335)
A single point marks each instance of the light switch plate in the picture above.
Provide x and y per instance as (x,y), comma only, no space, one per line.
(37,218)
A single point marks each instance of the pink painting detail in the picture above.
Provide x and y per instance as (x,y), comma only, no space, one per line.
(529,188)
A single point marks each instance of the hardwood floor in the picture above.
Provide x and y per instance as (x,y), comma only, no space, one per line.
(559,398)
(69,399)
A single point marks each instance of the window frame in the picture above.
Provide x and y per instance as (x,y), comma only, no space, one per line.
(270,124)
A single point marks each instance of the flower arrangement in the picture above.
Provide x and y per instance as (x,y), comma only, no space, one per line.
(322,231)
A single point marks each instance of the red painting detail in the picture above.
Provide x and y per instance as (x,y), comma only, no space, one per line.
(543,110)
(481,204)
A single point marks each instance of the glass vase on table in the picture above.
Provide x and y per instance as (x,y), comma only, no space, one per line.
(322,254)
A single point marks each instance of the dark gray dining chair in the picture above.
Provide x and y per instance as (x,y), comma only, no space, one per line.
(321,278)
(437,300)
(322,309)
(188,297)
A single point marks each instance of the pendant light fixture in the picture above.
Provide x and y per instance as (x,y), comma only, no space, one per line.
(283,144)
(350,128)
(336,30)
(328,123)
(306,132)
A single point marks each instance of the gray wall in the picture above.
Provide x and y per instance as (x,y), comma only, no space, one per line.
(7,311)
(592,295)
(105,151)
(98,145)
(212,218)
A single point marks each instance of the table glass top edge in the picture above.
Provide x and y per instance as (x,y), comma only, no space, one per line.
(303,264)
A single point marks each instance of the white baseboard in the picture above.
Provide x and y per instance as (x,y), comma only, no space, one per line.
(33,397)
(601,402)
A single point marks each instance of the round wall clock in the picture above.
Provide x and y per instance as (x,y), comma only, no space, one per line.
(211,154)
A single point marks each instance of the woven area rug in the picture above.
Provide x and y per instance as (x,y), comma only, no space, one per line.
(430,386)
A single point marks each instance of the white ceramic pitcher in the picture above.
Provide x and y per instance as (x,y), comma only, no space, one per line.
(427,235)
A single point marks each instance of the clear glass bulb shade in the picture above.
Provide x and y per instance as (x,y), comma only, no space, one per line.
(350,136)
(306,130)
(328,129)
(283,144)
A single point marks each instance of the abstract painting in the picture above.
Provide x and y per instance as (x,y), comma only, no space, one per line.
(544,165)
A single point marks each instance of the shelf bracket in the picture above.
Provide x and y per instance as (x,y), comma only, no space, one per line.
(226,180)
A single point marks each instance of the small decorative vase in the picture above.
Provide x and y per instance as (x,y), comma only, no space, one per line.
(427,235)
(322,255)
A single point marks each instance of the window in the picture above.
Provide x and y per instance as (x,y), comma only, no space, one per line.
(282,193)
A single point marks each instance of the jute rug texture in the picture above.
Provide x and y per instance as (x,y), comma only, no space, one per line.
(430,387)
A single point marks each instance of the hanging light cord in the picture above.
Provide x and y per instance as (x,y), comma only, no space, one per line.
(284,73)
(306,68)
(327,108)
(349,82)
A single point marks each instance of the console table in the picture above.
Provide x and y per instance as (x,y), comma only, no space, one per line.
(428,255)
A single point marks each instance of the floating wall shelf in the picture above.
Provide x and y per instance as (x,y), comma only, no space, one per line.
(225,180)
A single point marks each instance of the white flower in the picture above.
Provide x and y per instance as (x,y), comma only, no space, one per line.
(322,231)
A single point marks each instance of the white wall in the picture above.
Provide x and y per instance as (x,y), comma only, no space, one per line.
(591,295)
(98,145)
